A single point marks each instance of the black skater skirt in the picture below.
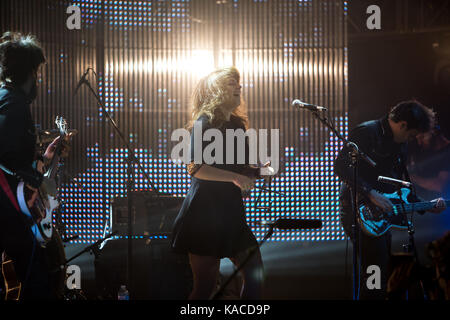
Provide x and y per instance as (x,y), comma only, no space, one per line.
(212,221)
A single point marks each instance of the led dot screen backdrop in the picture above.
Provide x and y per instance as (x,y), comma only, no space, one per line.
(147,57)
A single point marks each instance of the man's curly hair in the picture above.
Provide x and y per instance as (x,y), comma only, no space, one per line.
(19,56)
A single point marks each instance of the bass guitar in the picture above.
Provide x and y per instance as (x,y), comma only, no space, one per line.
(39,204)
(375,222)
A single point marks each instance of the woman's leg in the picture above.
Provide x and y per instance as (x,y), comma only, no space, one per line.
(205,270)
(253,274)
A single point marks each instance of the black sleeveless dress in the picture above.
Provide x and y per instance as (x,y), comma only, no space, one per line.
(212,221)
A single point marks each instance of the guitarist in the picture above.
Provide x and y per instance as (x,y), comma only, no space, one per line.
(20,61)
(384,141)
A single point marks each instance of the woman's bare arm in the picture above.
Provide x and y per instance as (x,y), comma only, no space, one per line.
(206,172)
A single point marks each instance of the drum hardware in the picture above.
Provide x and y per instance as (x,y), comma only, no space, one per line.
(48,135)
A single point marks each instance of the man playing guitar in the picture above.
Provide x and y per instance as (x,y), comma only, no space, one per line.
(384,141)
(20,61)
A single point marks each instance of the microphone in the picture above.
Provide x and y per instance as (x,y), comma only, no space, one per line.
(288,224)
(395,182)
(303,105)
(82,80)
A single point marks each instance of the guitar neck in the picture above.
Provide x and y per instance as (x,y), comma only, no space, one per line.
(417,206)
(52,168)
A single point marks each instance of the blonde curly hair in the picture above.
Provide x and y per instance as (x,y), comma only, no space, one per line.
(210,98)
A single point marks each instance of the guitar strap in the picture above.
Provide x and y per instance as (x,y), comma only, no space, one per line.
(402,160)
(415,198)
(7,189)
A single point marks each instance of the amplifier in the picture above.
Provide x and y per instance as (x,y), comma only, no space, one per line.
(150,213)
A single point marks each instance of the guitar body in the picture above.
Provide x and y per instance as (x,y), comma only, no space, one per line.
(41,211)
(375,222)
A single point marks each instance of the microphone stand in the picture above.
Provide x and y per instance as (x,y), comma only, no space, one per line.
(130,172)
(93,247)
(354,154)
(411,246)
(277,224)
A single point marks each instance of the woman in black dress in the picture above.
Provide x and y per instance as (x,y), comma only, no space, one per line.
(211,224)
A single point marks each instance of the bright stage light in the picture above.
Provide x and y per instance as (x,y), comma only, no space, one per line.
(200,63)
(197,63)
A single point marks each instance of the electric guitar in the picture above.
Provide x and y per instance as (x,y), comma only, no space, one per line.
(375,222)
(41,209)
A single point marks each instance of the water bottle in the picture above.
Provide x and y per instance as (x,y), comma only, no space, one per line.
(123,293)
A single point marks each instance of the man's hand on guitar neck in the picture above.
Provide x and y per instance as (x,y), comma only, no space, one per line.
(380,200)
(440,205)
(65,148)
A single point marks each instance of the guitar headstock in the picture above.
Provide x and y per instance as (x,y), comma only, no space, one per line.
(61,123)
